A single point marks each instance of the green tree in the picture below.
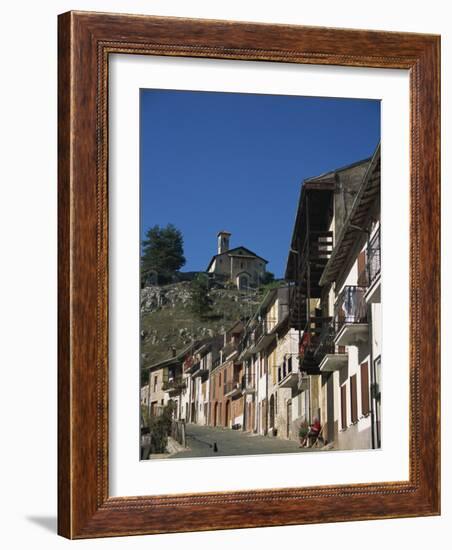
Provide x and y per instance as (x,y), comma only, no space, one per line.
(163,253)
(268,278)
(201,303)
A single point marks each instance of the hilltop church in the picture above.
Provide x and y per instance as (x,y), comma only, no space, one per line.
(239,265)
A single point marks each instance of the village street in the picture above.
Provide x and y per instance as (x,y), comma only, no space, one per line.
(202,439)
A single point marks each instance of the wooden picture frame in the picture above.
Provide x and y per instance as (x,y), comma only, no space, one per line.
(85,508)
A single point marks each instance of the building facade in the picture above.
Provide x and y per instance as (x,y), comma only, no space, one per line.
(312,349)
(335,302)
(239,265)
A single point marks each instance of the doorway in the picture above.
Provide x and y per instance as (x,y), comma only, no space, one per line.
(227,414)
(289,418)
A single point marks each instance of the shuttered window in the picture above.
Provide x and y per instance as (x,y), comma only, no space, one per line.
(353,399)
(344,407)
(362,271)
(365,403)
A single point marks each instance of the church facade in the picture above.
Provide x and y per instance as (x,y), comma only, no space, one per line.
(240,265)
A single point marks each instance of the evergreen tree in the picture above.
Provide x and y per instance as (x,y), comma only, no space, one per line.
(201,303)
(162,253)
(268,278)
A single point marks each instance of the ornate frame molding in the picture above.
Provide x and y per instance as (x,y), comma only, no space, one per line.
(85,42)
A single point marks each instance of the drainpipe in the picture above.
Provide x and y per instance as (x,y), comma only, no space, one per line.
(372,376)
(266,394)
(149,397)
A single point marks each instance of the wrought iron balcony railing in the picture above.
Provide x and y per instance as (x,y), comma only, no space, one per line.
(229,349)
(373,260)
(315,345)
(231,386)
(261,330)
(350,307)
(284,369)
(325,343)
(248,382)
(174,384)
(372,266)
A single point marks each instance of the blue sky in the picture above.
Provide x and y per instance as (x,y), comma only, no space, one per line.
(213,161)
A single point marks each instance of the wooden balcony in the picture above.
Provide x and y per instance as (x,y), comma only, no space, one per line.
(174,386)
(311,259)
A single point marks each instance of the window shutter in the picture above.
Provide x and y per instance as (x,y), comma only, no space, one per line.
(344,407)
(353,399)
(365,404)
(362,275)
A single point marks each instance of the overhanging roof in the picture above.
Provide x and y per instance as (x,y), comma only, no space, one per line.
(358,218)
(320,189)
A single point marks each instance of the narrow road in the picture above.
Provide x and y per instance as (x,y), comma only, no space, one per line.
(207,441)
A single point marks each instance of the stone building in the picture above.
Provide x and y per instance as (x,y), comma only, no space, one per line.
(239,265)
(334,269)
(226,393)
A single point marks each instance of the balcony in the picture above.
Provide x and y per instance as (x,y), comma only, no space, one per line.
(287,377)
(263,335)
(303,382)
(232,388)
(246,347)
(190,365)
(331,356)
(309,352)
(174,386)
(229,350)
(350,313)
(373,269)
(369,277)
(248,383)
(202,370)
(314,253)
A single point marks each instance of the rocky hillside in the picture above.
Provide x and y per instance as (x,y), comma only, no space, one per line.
(167,320)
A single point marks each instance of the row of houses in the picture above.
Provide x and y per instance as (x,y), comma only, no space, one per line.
(313,347)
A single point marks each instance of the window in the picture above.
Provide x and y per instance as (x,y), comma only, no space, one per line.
(365,404)
(353,399)
(344,407)
(155,384)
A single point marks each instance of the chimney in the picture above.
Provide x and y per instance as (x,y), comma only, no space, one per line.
(223,241)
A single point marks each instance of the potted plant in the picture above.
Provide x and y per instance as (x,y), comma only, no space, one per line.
(303,432)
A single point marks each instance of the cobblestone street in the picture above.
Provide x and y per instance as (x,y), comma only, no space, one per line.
(201,441)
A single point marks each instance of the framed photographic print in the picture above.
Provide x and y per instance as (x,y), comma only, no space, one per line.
(248,275)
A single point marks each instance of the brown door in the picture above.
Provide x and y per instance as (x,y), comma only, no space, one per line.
(272,411)
(343,407)
(330,408)
(215,414)
(227,414)
(353,400)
